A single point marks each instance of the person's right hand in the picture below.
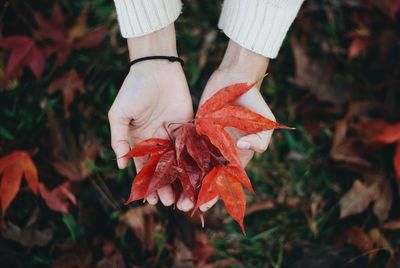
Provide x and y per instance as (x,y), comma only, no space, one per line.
(153,93)
(241,65)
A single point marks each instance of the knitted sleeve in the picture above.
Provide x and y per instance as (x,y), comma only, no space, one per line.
(140,17)
(258,25)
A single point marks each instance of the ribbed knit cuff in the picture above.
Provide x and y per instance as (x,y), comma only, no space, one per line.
(140,17)
(258,25)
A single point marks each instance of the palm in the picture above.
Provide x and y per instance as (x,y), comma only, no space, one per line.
(150,100)
(252,100)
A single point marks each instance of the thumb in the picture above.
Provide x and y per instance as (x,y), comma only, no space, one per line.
(257,142)
(119,137)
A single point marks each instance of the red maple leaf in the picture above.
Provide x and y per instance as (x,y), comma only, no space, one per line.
(63,40)
(162,169)
(222,182)
(24,53)
(14,166)
(58,198)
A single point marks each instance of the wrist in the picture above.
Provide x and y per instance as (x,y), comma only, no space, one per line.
(243,62)
(158,43)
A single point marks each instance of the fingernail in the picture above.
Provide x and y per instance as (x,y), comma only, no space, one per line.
(167,202)
(187,205)
(243,144)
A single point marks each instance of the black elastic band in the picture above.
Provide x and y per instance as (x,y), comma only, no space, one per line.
(169,58)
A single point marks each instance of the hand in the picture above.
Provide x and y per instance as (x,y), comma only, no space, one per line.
(242,65)
(154,92)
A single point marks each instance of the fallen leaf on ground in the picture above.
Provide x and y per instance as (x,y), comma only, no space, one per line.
(14,166)
(357,237)
(59,198)
(28,236)
(63,40)
(391,134)
(141,220)
(24,53)
(69,153)
(356,200)
(69,84)
(316,75)
(360,196)
(348,147)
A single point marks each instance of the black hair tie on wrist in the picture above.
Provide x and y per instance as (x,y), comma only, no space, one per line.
(169,58)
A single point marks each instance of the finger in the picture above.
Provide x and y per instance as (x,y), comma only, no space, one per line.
(152,198)
(119,136)
(209,204)
(257,142)
(184,203)
(166,195)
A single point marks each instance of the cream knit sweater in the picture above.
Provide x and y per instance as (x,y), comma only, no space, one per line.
(258,25)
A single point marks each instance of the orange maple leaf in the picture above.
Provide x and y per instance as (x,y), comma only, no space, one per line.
(14,166)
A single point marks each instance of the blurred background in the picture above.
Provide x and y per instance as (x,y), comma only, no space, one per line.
(327,193)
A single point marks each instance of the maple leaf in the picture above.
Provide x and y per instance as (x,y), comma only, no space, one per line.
(164,174)
(57,198)
(142,180)
(217,113)
(14,166)
(162,169)
(391,134)
(63,40)
(224,96)
(241,118)
(68,84)
(24,53)
(221,183)
(53,28)
(196,146)
(149,146)
(187,164)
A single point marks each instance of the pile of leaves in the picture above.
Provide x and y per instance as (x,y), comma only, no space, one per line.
(202,155)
